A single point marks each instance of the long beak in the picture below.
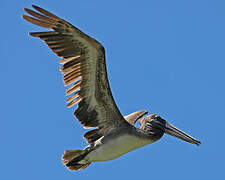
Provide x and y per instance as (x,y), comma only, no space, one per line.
(172,130)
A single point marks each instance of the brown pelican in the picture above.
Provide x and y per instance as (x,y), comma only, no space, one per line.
(84,69)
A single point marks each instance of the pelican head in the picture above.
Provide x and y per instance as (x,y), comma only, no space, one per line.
(156,125)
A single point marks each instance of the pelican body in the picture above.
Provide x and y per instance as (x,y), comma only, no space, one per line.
(84,72)
(125,139)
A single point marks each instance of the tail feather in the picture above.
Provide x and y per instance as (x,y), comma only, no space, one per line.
(71,159)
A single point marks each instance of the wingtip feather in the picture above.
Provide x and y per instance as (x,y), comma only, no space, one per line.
(45,12)
(38,22)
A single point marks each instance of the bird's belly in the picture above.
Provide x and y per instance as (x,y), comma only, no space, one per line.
(116,147)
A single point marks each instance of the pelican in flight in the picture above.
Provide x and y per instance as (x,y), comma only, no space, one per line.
(84,71)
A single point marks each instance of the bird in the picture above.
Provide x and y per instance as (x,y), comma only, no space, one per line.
(111,134)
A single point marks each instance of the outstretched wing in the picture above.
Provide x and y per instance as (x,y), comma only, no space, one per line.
(84,69)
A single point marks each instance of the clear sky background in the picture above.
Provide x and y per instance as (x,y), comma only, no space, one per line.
(167,57)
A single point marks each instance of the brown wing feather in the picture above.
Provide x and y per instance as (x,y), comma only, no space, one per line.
(84,67)
(133,117)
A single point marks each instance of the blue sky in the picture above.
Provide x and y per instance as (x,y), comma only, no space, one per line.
(167,57)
